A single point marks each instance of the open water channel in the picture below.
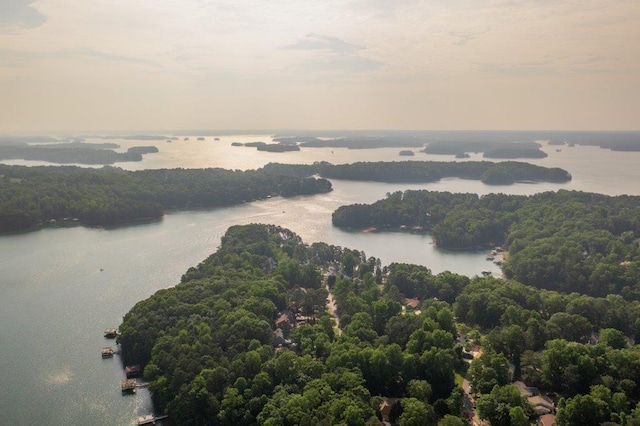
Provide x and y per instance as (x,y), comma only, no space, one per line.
(60,287)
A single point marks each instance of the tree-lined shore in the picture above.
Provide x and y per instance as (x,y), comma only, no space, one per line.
(35,196)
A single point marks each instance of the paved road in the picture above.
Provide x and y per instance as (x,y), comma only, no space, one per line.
(331,306)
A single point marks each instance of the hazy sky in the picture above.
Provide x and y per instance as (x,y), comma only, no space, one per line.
(352,64)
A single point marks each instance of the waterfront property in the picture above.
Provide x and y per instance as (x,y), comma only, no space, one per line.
(132,370)
(128,386)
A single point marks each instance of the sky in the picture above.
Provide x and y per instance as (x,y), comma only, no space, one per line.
(74,65)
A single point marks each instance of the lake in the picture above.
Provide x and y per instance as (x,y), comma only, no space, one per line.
(61,287)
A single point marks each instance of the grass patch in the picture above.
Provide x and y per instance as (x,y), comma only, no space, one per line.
(459,379)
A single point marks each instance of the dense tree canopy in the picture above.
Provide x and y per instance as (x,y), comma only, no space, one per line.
(217,350)
(34,195)
(209,348)
(565,240)
(503,173)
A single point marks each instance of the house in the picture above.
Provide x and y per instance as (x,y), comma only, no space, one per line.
(547,420)
(541,405)
(525,390)
(285,321)
(412,303)
(279,340)
(461,338)
(385,408)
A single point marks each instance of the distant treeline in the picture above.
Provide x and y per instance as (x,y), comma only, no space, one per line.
(616,141)
(34,195)
(361,142)
(504,173)
(76,152)
(565,241)
(493,149)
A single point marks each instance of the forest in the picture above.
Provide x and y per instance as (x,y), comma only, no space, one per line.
(502,173)
(490,149)
(354,142)
(33,196)
(73,152)
(566,240)
(246,338)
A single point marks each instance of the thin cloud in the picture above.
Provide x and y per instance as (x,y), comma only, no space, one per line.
(16,14)
(91,53)
(17,58)
(520,70)
(333,55)
(322,42)
(343,64)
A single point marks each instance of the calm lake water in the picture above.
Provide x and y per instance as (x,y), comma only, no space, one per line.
(61,287)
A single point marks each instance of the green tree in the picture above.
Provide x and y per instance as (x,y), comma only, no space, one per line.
(416,413)
(500,403)
(583,410)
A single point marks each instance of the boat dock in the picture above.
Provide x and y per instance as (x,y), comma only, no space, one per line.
(132,371)
(149,419)
(128,386)
(131,385)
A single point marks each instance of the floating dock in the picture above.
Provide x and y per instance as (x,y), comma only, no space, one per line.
(132,371)
(128,386)
(148,419)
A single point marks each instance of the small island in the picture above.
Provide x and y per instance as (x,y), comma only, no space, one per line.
(143,150)
(454,147)
(513,153)
(74,152)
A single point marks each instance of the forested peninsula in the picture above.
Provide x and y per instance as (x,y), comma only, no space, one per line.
(565,240)
(33,196)
(247,337)
(502,173)
(73,152)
